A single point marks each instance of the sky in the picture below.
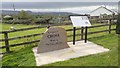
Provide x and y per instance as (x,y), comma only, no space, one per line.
(74,7)
(59,0)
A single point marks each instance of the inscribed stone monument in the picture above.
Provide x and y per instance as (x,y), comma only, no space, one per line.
(55,38)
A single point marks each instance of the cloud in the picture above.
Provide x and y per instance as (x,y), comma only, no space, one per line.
(60,0)
(53,5)
(79,10)
(75,7)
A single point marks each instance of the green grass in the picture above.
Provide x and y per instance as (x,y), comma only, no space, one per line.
(104,59)
(22,33)
(23,55)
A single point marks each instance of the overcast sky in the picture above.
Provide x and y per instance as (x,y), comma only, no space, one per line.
(75,7)
(60,0)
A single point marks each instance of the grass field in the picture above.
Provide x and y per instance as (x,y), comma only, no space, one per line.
(104,59)
(23,55)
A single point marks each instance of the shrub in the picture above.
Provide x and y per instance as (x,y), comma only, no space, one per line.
(8,18)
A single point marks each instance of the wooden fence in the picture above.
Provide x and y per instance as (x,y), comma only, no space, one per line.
(6,38)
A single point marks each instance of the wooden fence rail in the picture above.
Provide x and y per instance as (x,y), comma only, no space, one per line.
(7,39)
(1,40)
(35,27)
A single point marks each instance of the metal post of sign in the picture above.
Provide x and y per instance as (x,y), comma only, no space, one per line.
(74,30)
(80,21)
(82,31)
(86,34)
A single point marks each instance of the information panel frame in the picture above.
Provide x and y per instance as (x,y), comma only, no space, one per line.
(80,20)
(84,23)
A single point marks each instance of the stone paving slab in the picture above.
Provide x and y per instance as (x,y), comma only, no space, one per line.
(78,50)
(1,55)
(0,59)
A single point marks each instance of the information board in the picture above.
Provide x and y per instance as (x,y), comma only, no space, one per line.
(80,21)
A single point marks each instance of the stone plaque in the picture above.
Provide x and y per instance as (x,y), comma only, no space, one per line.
(55,38)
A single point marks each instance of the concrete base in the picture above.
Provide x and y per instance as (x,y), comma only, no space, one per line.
(78,50)
(0,59)
(1,56)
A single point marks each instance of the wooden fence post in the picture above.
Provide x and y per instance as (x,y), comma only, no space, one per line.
(82,31)
(110,21)
(6,42)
